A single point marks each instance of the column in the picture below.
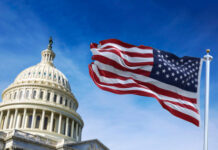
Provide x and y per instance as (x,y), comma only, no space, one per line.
(18,121)
(59,124)
(67,125)
(31,93)
(76,131)
(37,93)
(24,119)
(72,128)
(51,122)
(51,96)
(1,117)
(80,133)
(11,121)
(33,118)
(6,119)
(58,99)
(15,119)
(45,95)
(43,118)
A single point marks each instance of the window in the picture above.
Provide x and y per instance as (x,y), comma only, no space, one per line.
(74,132)
(27,94)
(21,120)
(20,95)
(29,121)
(15,94)
(48,96)
(66,102)
(63,126)
(54,125)
(37,121)
(55,98)
(45,123)
(70,104)
(69,129)
(61,100)
(34,94)
(10,96)
(41,95)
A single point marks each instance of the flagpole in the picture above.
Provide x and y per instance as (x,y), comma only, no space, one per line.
(207,59)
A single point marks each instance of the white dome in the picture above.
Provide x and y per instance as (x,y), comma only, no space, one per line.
(43,72)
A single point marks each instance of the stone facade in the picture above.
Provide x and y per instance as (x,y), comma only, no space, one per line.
(38,111)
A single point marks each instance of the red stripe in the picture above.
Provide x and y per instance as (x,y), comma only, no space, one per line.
(93,45)
(131,54)
(183,105)
(180,114)
(172,111)
(129,85)
(113,63)
(150,86)
(115,41)
(95,57)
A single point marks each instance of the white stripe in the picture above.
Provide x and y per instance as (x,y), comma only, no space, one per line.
(145,79)
(122,63)
(113,56)
(183,110)
(142,88)
(133,49)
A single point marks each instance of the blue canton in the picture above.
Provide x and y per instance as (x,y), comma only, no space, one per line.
(180,72)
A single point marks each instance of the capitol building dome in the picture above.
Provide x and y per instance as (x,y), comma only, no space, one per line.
(40,102)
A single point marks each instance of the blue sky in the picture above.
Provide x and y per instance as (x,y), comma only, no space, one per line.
(122,122)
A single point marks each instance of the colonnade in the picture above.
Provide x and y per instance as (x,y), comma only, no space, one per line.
(40,119)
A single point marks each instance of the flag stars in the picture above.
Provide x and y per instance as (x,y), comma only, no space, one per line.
(183,71)
(159,65)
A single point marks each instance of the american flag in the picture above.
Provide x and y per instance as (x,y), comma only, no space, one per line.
(123,68)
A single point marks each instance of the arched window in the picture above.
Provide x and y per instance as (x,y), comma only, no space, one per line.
(29,121)
(48,96)
(41,95)
(45,123)
(70,104)
(55,98)
(38,118)
(34,94)
(61,100)
(66,102)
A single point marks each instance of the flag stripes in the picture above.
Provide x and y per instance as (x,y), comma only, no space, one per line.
(123,68)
